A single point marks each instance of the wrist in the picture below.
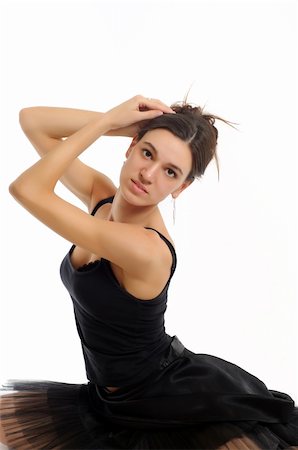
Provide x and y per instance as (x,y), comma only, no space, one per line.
(108,122)
(103,123)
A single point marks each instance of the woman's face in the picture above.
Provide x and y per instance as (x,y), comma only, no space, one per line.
(156,166)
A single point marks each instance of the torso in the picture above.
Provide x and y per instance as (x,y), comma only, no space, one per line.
(142,290)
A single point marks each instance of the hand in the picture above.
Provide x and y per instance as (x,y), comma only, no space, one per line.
(135,110)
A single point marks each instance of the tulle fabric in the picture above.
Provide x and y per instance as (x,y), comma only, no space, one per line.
(53,415)
(193,401)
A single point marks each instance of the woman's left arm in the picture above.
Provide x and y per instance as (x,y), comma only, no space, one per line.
(34,189)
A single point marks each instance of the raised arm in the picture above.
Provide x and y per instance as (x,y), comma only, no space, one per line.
(63,122)
(34,189)
(45,127)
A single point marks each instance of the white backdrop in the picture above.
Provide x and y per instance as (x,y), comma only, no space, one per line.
(234,294)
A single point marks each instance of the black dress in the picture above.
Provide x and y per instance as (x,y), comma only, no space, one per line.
(170,397)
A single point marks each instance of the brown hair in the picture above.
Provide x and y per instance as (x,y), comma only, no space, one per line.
(194,126)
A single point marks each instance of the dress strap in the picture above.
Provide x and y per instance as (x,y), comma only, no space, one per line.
(102,202)
(171,247)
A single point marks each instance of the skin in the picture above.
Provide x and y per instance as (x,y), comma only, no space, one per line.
(142,269)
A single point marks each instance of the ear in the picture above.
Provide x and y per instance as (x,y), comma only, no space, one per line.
(132,144)
(181,188)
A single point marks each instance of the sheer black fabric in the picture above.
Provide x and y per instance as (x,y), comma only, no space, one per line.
(169,397)
(166,411)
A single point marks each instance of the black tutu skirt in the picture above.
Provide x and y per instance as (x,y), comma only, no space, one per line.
(194,401)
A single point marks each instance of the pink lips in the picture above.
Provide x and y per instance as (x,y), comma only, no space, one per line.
(139,185)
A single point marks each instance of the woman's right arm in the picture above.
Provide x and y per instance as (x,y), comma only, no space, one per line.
(34,189)
(45,127)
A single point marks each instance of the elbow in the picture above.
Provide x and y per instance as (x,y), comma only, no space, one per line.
(21,191)
(16,190)
(27,192)
(26,118)
(25,196)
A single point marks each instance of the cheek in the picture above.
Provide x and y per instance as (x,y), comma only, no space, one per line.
(164,185)
(132,161)
(126,165)
(124,171)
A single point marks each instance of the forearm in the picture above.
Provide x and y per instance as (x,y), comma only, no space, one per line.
(43,176)
(39,181)
(58,123)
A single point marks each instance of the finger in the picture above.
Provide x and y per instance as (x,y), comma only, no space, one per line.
(153,103)
(164,108)
(150,114)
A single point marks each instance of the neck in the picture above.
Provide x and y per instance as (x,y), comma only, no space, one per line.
(122,211)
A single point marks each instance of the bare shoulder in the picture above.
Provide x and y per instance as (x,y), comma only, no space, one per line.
(157,234)
(162,252)
(152,279)
(161,260)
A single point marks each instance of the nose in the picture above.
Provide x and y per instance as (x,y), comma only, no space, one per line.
(148,173)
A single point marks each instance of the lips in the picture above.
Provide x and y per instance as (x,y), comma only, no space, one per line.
(139,185)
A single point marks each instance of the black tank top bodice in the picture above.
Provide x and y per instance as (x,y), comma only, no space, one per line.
(122,337)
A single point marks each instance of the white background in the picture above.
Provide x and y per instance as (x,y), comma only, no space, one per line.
(234,294)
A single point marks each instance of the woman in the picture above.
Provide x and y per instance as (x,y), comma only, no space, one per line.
(145,389)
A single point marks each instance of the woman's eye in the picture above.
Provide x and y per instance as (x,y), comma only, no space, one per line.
(146,152)
(171,173)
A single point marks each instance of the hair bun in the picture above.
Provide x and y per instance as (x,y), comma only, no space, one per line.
(186,108)
(196,111)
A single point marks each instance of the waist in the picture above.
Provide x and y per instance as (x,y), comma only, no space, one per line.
(174,351)
(123,369)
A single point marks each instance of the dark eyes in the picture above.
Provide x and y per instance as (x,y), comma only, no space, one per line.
(171,173)
(146,151)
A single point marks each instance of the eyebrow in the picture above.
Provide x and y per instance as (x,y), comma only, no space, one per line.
(169,164)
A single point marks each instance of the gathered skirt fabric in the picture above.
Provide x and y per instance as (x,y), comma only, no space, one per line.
(194,401)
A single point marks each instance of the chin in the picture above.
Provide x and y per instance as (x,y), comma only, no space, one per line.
(130,197)
(137,201)
(134,198)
